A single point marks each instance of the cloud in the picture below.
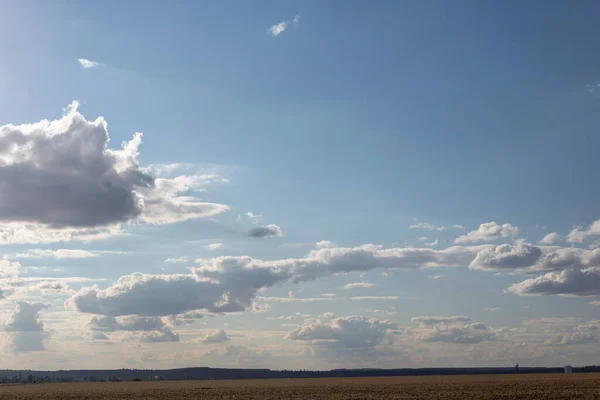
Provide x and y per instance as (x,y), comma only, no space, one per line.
(61,182)
(580,234)
(505,256)
(568,282)
(178,260)
(59,254)
(128,323)
(375,298)
(324,243)
(159,337)
(345,333)
(230,284)
(468,334)
(26,330)
(550,238)
(492,309)
(427,225)
(433,320)
(592,87)
(358,285)
(431,244)
(214,246)
(489,231)
(99,336)
(87,64)
(265,231)
(279,28)
(218,336)
(435,277)
(9,269)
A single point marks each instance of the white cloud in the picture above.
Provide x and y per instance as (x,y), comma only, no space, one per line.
(505,256)
(550,238)
(568,282)
(435,277)
(427,225)
(358,285)
(592,87)
(214,246)
(435,320)
(265,231)
(324,243)
(87,64)
(580,234)
(432,244)
(227,284)
(218,336)
(108,188)
(9,269)
(423,238)
(177,260)
(279,28)
(489,231)
(59,254)
(492,309)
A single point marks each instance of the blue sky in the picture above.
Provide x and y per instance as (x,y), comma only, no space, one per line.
(302,122)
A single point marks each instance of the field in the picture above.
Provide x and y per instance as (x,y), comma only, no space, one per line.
(544,386)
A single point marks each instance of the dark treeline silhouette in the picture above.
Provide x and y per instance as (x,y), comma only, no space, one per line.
(205,373)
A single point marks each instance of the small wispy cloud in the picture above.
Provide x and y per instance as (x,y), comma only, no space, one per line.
(279,28)
(176,260)
(87,64)
(214,246)
(593,88)
(358,285)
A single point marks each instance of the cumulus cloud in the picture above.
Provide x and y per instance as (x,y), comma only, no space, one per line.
(550,238)
(62,182)
(26,330)
(128,323)
(345,333)
(218,336)
(87,64)
(489,231)
(265,231)
(159,337)
(214,246)
(580,234)
(358,285)
(432,244)
(9,269)
(99,336)
(229,284)
(568,282)
(505,256)
(435,320)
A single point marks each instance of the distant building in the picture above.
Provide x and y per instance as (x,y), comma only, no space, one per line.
(568,369)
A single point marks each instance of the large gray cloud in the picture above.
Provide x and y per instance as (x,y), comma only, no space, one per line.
(574,282)
(228,284)
(26,330)
(59,181)
(128,323)
(347,333)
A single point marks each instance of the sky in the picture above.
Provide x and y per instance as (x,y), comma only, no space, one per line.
(299,184)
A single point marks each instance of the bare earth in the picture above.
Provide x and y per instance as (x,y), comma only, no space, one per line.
(544,386)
